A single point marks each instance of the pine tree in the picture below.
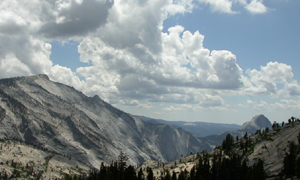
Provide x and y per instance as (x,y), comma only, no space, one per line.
(267,130)
(181,176)
(289,161)
(129,173)
(168,176)
(150,174)
(227,143)
(103,171)
(246,135)
(140,174)
(122,161)
(193,174)
(258,170)
(174,176)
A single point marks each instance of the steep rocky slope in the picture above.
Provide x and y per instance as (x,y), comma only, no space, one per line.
(273,146)
(59,118)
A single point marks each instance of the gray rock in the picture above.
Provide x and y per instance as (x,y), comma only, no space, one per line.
(257,122)
(59,118)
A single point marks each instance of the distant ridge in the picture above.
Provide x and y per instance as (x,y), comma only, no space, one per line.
(199,129)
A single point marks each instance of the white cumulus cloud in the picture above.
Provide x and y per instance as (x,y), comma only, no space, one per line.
(222,6)
(256,7)
(130,60)
(269,77)
(235,6)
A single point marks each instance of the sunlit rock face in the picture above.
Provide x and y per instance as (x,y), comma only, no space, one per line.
(59,118)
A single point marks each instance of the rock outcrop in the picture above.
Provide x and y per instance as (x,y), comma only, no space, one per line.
(273,146)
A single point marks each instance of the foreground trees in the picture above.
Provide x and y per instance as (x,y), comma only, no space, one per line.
(218,167)
(116,171)
(291,162)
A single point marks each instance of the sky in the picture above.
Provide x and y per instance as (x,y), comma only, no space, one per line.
(221,61)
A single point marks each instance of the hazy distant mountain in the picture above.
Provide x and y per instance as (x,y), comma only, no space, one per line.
(61,119)
(257,122)
(197,128)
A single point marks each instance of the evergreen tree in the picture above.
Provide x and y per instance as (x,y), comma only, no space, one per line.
(244,169)
(129,173)
(298,137)
(168,176)
(150,175)
(258,170)
(227,143)
(140,174)
(122,161)
(289,161)
(181,176)
(103,171)
(267,130)
(174,176)
(246,135)
(193,174)
(297,169)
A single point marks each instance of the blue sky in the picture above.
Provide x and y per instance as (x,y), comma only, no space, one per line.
(273,36)
(204,60)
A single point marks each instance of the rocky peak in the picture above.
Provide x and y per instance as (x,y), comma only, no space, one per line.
(257,122)
(42,76)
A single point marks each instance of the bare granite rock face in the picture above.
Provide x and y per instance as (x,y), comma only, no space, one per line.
(257,122)
(272,147)
(59,118)
(34,163)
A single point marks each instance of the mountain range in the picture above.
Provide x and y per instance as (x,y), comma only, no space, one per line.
(56,117)
(212,134)
(63,122)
